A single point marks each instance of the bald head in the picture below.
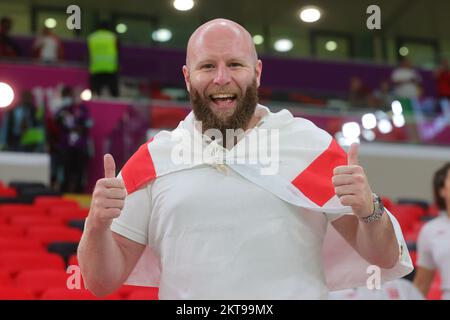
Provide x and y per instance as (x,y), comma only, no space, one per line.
(220,32)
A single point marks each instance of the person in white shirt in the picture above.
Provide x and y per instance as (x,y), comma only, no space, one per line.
(215,230)
(48,47)
(433,244)
(406,80)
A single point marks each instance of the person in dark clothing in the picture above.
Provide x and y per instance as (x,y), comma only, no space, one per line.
(8,48)
(73,122)
(21,128)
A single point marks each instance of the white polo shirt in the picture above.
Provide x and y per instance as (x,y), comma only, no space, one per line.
(433,249)
(215,235)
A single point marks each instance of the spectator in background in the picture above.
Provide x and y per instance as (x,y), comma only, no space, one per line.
(103,60)
(383,96)
(8,48)
(73,122)
(48,47)
(442,75)
(358,93)
(406,80)
(22,127)
(433,246)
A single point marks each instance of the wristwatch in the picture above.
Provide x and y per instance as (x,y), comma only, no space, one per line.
(378,210)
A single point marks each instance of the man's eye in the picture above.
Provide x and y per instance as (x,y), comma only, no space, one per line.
(207,66)
(235,64)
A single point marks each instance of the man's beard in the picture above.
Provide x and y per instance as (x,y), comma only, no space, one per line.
(239,119)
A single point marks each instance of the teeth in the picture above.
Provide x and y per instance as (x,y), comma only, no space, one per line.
(222,96)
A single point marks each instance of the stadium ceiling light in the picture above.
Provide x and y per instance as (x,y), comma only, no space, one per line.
(162,35)
(331,45)
(50,23)
(283,45)
(310,14)
(183,5)
(6,95)
(121,28)
(403,51)
(258,39)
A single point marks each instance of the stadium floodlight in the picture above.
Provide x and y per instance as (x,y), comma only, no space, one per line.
(183,5)
(369,121)
(162,35)
(86,95)
(283,45)
(50,23)
(385,126)
(310,14)
(6,95)
(258,39)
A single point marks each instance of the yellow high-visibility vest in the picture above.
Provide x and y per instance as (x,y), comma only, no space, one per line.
(102,45)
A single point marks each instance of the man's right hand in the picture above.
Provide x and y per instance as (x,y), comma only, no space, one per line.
(108,197)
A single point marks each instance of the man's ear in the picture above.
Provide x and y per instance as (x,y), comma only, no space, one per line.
(186,78)
(258,71)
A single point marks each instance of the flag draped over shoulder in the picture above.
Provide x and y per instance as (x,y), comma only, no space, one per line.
(303,156)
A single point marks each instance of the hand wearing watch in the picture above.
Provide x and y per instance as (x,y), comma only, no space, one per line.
(378,210)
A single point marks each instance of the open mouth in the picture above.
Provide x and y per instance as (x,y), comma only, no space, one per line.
(223,100)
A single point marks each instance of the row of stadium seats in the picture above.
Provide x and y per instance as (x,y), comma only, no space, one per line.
(38,243)
(43,237)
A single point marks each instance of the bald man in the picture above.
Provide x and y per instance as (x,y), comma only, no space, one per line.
(208,231)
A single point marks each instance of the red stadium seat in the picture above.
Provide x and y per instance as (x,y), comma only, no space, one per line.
(40,220)
(20,244)
(14,262)
(433,211)
(144,294)
(388,203)
(51,202)
(68,213)
(9,231)
(37,281)
(20,209)
(7,192)
(47,234)
(5,279)
(12,293)
(407,215)
(75,294)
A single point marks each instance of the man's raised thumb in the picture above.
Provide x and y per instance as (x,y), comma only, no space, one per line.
(352,155)
(109,165)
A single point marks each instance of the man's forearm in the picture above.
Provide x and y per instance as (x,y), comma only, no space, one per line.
(101,260)
(377,242)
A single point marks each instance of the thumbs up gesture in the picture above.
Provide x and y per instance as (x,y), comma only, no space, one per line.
(351,185)
(108,197)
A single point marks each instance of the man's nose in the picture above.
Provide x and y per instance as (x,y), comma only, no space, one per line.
(222,76)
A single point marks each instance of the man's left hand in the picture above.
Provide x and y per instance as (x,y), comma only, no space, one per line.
(351,185)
